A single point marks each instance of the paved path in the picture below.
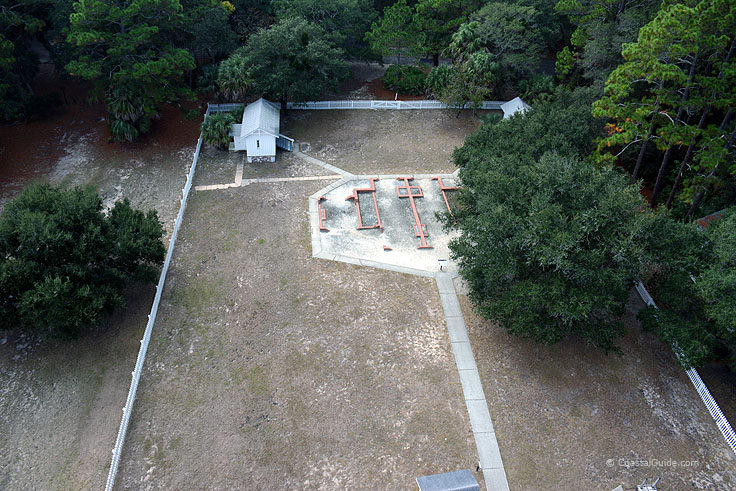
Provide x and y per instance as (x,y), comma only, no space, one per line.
(475,399)
(320,163)
(244,182)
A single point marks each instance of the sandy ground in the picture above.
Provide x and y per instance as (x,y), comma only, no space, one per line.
(381,142)
(261,362)
(274,370)
(60,401)
(568,417)
(219,167)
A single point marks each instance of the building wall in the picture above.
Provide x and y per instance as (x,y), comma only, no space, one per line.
(266,148)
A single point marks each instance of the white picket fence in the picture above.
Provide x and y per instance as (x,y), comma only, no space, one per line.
(372,104)
(136,374)
(721,422)
(364,104)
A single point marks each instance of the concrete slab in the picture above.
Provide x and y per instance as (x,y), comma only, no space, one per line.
(472,387)
(456,329)
(395,244)
(490,456)
(480,417)
(445,283)
(464,356)
(495,480)
(450,305)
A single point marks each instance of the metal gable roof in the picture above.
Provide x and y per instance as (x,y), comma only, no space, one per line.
(260,115)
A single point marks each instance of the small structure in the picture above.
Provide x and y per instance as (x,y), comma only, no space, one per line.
(514,106)
(258,134)
(450,481)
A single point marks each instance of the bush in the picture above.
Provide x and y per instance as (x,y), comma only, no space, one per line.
(405,79)
(537,88)
(549,244)
(64,262)
(216,128)
(438,80)
(565,124)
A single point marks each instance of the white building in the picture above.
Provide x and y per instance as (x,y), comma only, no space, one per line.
(258,134)
(514,106)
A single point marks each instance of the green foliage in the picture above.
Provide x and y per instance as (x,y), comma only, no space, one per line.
(564,124)
(128,53)
(250,16)
(405,79)
(345,22)
(538,87)
(548,246)
(438,80)
(207,30)
(394,31)
(19,21)
(64,263)
(552,27)
(435,21)
(695,317)
(207,81)
(717,283)
(216,128)
(548,243)
(564,63)
(672,80)
(292,60)
(511,33)
(603,26)
(498,45)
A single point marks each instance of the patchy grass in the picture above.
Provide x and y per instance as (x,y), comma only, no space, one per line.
(292,371)
(382,142)
(567,416)
(61,401)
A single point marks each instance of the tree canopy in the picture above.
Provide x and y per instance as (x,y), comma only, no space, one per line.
(64,263)
(126,49)
(291,61)
(549,246)
(19,20)
(601,27)
(675,89)
(548,243)
(696,292)
(345,22)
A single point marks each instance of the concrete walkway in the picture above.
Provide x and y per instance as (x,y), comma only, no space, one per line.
(475,399)
(320,163)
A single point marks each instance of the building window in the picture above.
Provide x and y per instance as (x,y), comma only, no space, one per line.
(258,143)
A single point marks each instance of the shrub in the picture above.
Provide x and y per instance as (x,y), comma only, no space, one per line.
(538,87)
(216,128)
(405,79)
(438,80)
(699,317)
(64,262)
